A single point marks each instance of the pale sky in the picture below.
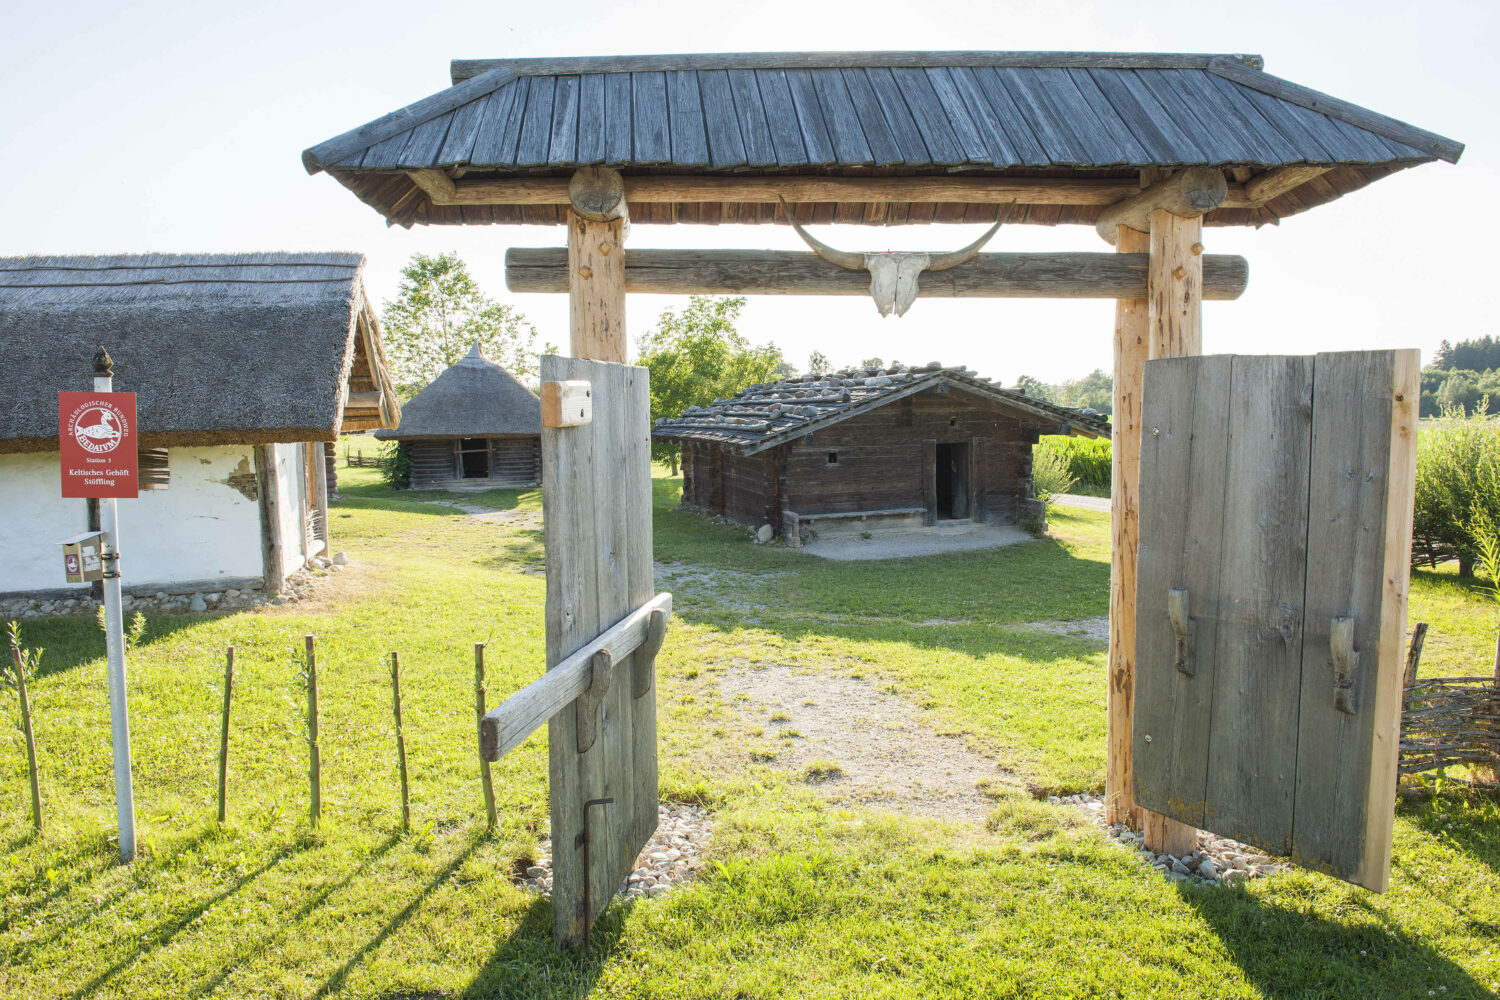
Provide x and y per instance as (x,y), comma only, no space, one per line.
(130,127)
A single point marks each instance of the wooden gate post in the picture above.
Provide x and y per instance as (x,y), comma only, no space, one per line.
(1169,323)
(1174,298)
(597,225)
(1131,348)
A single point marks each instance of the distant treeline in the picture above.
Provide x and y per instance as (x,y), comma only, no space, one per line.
(1463,375)
(1095,391)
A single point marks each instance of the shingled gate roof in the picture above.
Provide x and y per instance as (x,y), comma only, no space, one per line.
(219,348)
(773,413)
(473,397)
(943,114)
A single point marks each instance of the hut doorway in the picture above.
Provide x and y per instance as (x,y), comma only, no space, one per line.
(952,486)
(473,458)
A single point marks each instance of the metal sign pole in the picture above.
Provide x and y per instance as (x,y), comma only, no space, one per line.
(114,642)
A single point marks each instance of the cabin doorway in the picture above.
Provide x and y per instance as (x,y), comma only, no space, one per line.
(952,487)
(473,458)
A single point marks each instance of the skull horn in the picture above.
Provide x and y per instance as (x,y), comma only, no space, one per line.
(943,261)
(843,258)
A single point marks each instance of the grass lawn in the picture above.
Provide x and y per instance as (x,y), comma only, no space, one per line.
(802,899)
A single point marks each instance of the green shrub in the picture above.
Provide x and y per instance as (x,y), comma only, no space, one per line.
(1458,487)
(1049,473)
(395,464)
(1087,461)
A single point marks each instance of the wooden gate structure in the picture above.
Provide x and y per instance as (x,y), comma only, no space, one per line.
(1149,148)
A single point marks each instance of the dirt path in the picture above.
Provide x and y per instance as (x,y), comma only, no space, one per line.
(862,747)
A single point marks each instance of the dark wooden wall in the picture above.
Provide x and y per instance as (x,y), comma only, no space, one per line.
(514,461)
(881,464)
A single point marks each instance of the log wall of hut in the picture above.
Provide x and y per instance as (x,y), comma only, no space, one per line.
(507,461)
(885,459)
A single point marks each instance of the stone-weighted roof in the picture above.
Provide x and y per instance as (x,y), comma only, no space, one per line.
(772,413)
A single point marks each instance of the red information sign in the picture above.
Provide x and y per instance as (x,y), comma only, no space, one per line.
(97,439)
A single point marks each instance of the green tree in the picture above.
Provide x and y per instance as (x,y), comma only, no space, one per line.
(817,363)
(1033,387)
(437,315)
(872,363)
(1458,487)
(1095,390)
(1459,391)
(697,356)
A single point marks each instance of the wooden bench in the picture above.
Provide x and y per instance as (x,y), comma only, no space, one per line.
(891,517)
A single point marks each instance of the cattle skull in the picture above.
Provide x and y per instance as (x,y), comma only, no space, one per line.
(894,274)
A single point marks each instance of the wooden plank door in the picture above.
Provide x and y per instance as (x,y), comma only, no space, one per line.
(1364,448)
(596,494)
(1276,499)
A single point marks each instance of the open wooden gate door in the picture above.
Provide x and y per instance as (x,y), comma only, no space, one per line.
(1276,521)
(596,491)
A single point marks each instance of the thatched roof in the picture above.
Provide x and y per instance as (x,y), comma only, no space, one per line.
(476,151)
(772,413)
(219,348)
(474,397)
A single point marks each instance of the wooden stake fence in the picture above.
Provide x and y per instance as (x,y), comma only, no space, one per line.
(21,663)
(224,734)
(400,741)
(484,766)
(315,764)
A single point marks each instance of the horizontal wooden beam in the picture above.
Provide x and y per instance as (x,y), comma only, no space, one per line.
(1187,194)
(508,724)
(1274,183)
(444,190)
(777,272)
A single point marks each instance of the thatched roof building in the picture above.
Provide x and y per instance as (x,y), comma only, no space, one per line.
(245,367)
(474,425)
(474,397)
(220,348)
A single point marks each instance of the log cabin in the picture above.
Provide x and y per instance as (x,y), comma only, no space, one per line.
(246,367)
(473,428)
(869,449)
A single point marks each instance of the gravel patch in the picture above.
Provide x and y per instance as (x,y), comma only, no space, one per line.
(1093,629)
(862,747)
(672,856)
(1215,861)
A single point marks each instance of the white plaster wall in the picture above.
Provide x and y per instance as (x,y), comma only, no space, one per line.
(198,529)
(290,459)
(34,517)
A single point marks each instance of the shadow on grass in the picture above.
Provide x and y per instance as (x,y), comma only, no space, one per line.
(93,855)
(1288,953)
(315,900)
(71,640)
(526,964)
(165,931)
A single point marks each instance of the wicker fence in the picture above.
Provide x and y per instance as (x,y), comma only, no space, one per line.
(1448,721)
(363,461)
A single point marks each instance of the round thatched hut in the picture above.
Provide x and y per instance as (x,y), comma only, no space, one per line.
(474,427)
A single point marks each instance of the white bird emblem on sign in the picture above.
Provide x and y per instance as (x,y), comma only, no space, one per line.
(894,274)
